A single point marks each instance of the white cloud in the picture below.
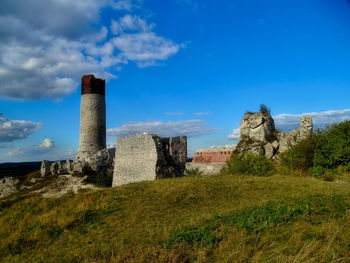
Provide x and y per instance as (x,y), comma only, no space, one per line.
(204,113)
(130,23)
(288,122)
(235,134)
(145,48)
(45,151)
(11,130)
(47,144)
(46,48)
(190,128)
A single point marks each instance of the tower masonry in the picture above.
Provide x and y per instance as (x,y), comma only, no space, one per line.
(92,116)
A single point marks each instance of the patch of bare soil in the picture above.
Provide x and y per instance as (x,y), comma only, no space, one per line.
(63,185)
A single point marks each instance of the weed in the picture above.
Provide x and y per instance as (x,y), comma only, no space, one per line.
(194,172)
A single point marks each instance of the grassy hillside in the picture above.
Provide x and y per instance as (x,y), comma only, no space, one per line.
(194,219)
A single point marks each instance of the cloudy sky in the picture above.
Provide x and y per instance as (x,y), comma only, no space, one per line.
(175,67)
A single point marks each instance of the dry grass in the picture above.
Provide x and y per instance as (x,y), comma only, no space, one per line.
(132,223)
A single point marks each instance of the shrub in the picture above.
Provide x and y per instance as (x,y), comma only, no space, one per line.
(194,172)
(264,110)
(347,167)
(300,156)
(333,146)
(328,177)
(251,164)
(317,171)
(100,178)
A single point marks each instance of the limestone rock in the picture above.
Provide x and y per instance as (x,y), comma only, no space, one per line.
(100,161)
(258,135)
(68,166)
(247,145)
(7,186)
(306,127)
(45,168)
(54,168)
(257,127)
(269,151)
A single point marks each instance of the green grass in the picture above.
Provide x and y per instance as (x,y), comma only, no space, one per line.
(190,219)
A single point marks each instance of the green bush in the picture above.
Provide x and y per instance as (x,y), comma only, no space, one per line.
(317,171)
(326,150)
(300,156)
(333,146)
(250,164)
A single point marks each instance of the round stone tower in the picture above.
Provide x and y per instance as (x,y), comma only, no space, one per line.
(92,116)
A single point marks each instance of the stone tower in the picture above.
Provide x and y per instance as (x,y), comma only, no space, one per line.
(92,116)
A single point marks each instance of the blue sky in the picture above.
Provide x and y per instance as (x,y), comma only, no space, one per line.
(174,67)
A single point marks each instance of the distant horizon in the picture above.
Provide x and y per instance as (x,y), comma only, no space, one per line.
(177,67)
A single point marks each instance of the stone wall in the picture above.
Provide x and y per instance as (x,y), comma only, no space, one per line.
(211,156)
(147,157)
(206,168)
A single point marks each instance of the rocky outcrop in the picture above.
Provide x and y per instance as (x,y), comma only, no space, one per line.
(45,168)
(7,186)
(287,140)
(259,136)
(257,127)
(100,161)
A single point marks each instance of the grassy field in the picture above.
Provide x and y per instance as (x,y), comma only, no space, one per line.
(191,219)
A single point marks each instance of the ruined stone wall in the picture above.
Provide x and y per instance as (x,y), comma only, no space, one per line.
(137,159)
(211,157)
(146,157)
(176,148)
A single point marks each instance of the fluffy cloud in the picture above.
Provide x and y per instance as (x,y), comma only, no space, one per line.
(234,135)
(190,128)
(45,48)
(45,151)
(138,43)
(47,144)
(288,122)
(11,130)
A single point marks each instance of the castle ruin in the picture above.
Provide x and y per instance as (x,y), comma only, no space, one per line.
(138,158)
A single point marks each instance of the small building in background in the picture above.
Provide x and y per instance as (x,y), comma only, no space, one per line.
(213,155)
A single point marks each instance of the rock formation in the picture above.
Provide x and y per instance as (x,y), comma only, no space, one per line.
(258,135)
(8,186)
(147,157)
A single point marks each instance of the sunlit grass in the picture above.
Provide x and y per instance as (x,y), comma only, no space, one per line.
(148,222)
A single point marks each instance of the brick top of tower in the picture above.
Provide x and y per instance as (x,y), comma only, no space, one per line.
(92,85)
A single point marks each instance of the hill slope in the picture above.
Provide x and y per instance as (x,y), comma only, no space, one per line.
(201,219)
